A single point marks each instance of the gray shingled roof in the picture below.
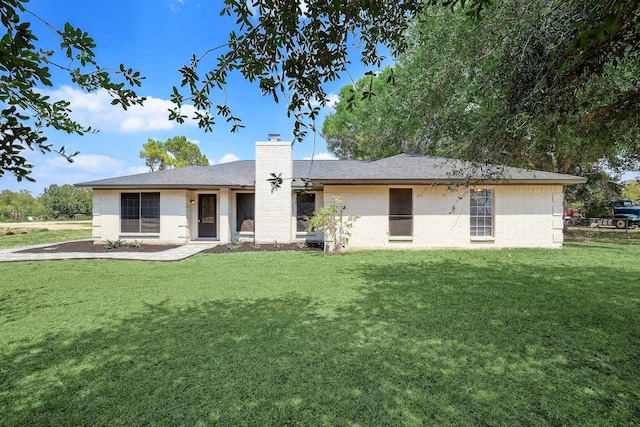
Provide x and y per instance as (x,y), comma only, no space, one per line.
(403,168)
(412,167)
(234,174)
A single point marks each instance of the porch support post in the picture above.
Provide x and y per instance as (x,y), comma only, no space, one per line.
(223,216)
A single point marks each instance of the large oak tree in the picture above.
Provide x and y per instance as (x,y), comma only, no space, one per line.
(514,88)
(292,48)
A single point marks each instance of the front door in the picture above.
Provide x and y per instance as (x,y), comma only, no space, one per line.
(207,215)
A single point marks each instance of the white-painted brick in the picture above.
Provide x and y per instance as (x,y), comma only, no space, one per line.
(224,208)
(524,215)
(173,217)
(273,206)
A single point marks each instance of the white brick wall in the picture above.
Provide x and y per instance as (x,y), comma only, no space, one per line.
(524,216)
(273,206)
(224,209)
(106,215)
(192,215)
(97,214)
(528,216)
(173,217)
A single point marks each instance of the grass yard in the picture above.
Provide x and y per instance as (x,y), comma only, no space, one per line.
(511,337)
(40,236)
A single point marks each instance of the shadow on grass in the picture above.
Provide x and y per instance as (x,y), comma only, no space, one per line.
(423,345)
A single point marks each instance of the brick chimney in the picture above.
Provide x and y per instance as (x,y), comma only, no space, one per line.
(273,208)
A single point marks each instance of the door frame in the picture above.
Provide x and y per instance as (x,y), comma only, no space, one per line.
(199,215)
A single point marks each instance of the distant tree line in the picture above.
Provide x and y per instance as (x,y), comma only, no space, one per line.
(56,202)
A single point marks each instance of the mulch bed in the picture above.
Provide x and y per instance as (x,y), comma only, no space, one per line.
(88,246)
(270,247)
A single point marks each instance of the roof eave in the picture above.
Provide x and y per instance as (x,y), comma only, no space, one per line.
(448,181)
(319,183)
(191,187)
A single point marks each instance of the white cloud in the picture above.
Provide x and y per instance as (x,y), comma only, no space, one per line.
(331,100)
(134,170)
(304,7)
(95,110)
(94,163)
(228,158)
(176,8)
(131,124)
(253,8)
(85,167)
(322,156)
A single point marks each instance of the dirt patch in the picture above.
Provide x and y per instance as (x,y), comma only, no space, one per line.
(587,235)
(50,225)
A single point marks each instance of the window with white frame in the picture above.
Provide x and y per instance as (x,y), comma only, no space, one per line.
(481,213)
(305,208)
(400,212)
(140,212)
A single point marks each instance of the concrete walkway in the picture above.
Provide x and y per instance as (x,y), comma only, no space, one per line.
(175,254)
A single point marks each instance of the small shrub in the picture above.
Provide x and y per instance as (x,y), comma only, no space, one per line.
(276,244)
(235,244)
(113,244)
(301,245)
(255,245)
(334,223)
(135,244)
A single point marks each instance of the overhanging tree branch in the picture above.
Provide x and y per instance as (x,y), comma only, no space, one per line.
(24,70)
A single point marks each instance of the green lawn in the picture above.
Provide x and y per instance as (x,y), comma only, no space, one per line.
(511,337)
(40,236)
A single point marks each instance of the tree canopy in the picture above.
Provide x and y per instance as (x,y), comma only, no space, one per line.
(20,204)
(631,191)
(25,66)
(176,152)
(514,87)
(291,49)
(66,201)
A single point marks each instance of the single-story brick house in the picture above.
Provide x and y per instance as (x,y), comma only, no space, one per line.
(407,201)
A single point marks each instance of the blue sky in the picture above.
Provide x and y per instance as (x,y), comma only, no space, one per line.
(155,37)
